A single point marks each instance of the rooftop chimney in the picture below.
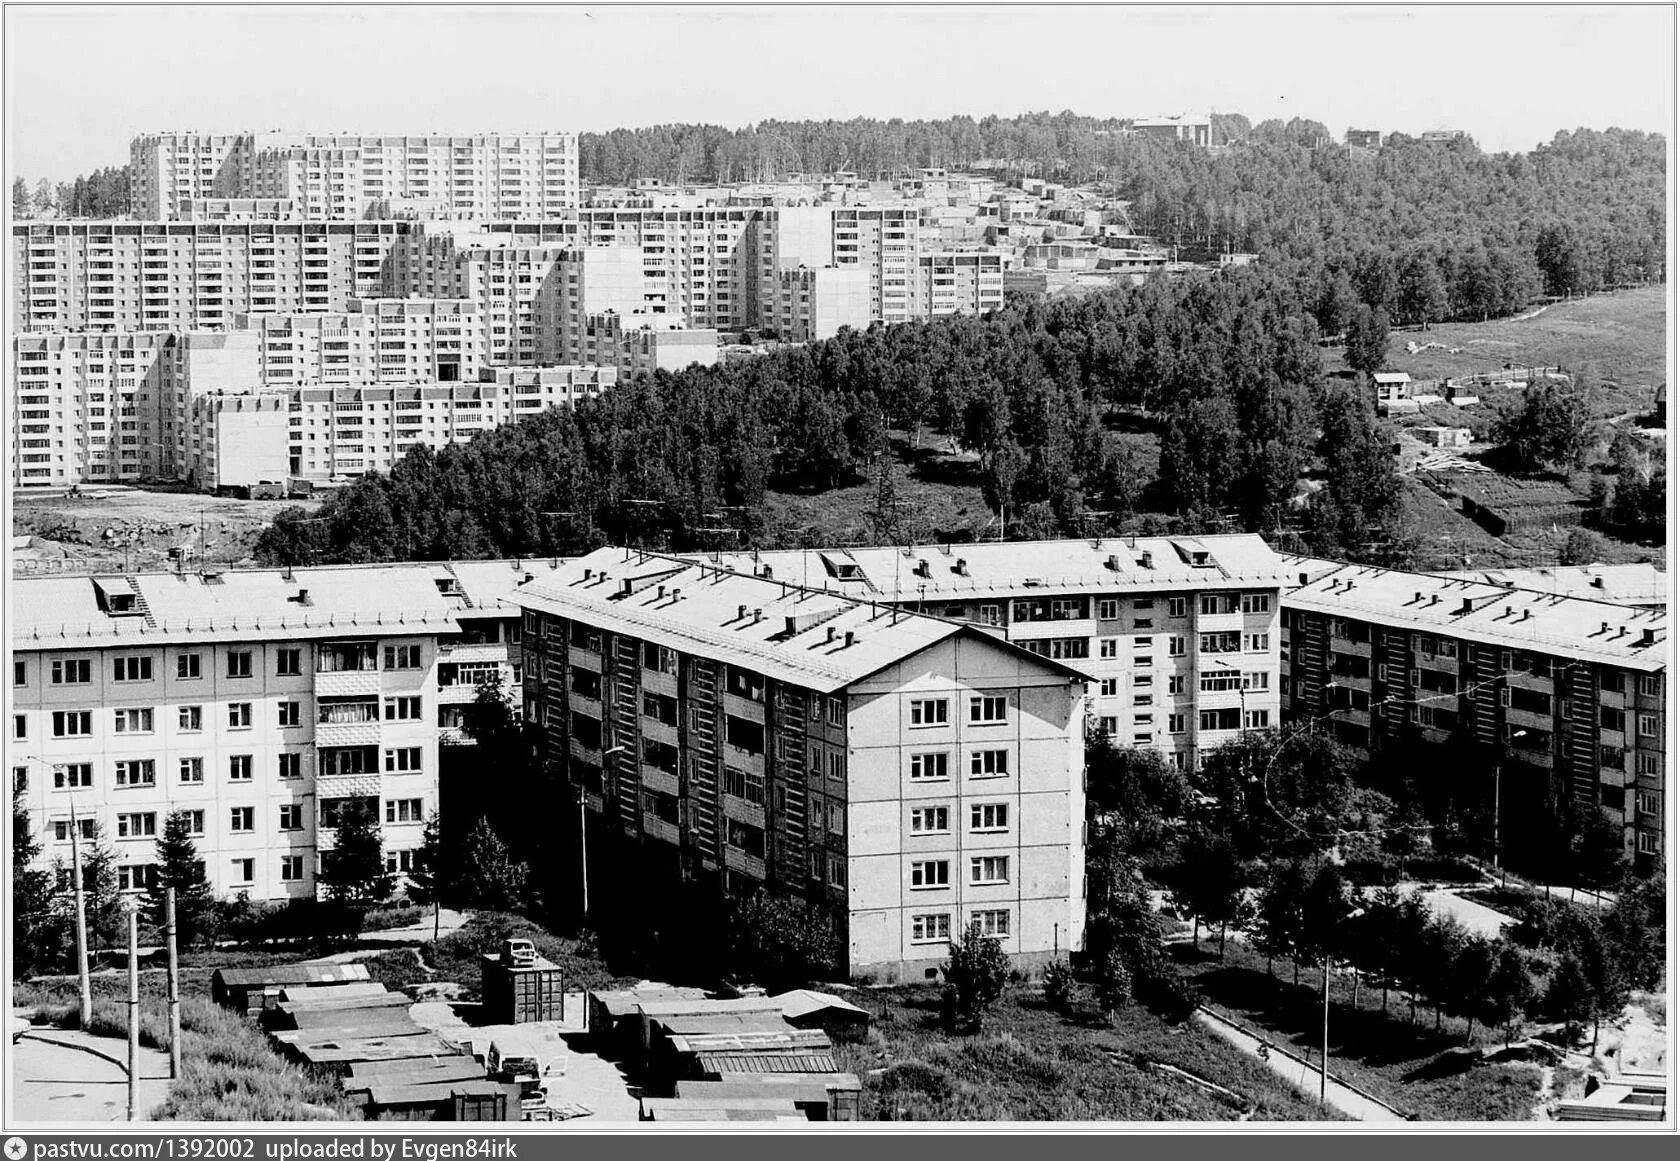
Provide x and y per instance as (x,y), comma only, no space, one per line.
(832,633)
(961,567)
(851,638)
(661,592)
(1648,637)
(1147,560)
(758,615)
(529,577)
(740,612)
(1113,562)
(588,574)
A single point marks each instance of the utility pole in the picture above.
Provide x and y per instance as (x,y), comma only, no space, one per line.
(1324,1051)
(85,985)
(133,909)
(174,984)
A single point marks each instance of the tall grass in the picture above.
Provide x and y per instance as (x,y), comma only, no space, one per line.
(229,1073)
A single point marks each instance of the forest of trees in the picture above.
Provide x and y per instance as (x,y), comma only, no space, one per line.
(1222,370)
(100,194)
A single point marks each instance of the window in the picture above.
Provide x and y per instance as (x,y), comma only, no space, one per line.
(1647,802)
(187,666)
(137,772)
(195,821)
(989,615)
(931,874)
(242,819)
(403,810)
(239,663)
(136,876)
(836,871)
(190,718)
(402,709)
(1259,642)
(930,820)
(288,714)
(743,683)
(1258,680)
(993,923)
(1221,719)
(20,726)
(1108,610)
(290,764)
(1175,723)
(1108,687)
(988,764)
(1648,727)
(1257,719)
(20,673)
(404,760)
(131,669)
(239,715)
(930,712)
(73,776)
(239,767)
(399,862)
(930,928)
(836,818)
(61,832)
(1648,765)
(930,767)
(989,869)
(987,710)
(291,868)
(1175,683)
(1648,844)
(988,816)
(658,658)
(1108,724)
(402,657)
(743,734)
(1650,684)
(1256,603)
(141,825)
(288,662)
(244,870)
(192,771)
(1175,646)
(1177,606)
(133,721)
(72,672)
(1108,647)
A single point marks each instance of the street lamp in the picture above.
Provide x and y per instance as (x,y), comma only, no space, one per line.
(1324,1051)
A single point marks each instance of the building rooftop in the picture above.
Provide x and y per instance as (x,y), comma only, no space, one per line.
(806,636)
(1039,568)
(1490,614)
(211,604)
(1619,584)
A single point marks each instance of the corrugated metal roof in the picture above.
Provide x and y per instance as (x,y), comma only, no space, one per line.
(750,1062)
(291,973)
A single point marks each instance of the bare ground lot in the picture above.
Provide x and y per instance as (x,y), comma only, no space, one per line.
(69,535)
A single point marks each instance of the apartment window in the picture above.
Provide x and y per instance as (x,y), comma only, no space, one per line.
(289,714)
(290,764)
(1648,765)
(72,672)
(1259,642)
(836,711)
(195,822)
(1175,646)
(403,810)
(190,718)
(658,658)
(403,760)
(1650,685)
(836,871)
(1175,683)
(239,767)
(136,876)
(239,663)
(1108,687)
(187,666)
(930,712)
(20,673)
(1108,647)
(987,710)
(1175,723)
(1221,719)
(402,709)
(239,715)
(136,772)
(1647,802)
(242,819)
(989,869)
(402,657)
(989,615)
(931,874)
(930,820)
(20,727)
(1108,610)
(930,928)
(1648,844)
(1108,725)
(291,868)
(988,764)
(1177,606)
(139,825)
(1256,603)
(932,766)
(1648,726)
(993,923)
(244,870)
(131,669)
(836,817)
(1220,642)
(288,662)
(1257,719)
(73,776)
(133,721)
(61,832)
(399,862)
(988,816)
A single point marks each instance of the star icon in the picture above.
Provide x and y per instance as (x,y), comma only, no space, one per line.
(15,1148)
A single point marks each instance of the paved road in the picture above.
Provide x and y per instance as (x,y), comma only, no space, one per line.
(53,1082)
(1301,1074)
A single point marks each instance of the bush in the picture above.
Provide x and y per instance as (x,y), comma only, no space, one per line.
(1058,985)
(904,1087)
(976,973)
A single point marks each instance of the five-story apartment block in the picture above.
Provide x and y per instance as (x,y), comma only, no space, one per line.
(256,701)
(909,774)
(1572,691)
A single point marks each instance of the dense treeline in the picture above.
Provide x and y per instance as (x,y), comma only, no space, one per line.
(1222,368)
(100,194)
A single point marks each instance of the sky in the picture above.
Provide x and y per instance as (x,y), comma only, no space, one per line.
(81,81)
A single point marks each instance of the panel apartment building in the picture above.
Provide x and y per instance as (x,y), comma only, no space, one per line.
(908,773)
(1573,691)
(1179,634)
(162,276)
(259,701)
(344,177)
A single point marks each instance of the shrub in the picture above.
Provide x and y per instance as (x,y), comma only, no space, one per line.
(904,1087)
(1058,984)
(976,973)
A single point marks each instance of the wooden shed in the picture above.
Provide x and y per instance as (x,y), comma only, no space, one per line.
(461,1100)
(804,1008)
(243,989)
(521,993)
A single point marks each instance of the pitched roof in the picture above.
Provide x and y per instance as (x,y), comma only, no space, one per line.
(804,1001)
(1471,610)
(820,640)
(1023,568)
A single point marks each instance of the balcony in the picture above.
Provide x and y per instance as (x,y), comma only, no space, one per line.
(655,827)
(737,860)
(1524,720)
(347,683)
(661,780)
(741,810)
(347,733)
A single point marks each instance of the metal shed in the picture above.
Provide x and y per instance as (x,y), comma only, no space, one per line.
(235,987)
